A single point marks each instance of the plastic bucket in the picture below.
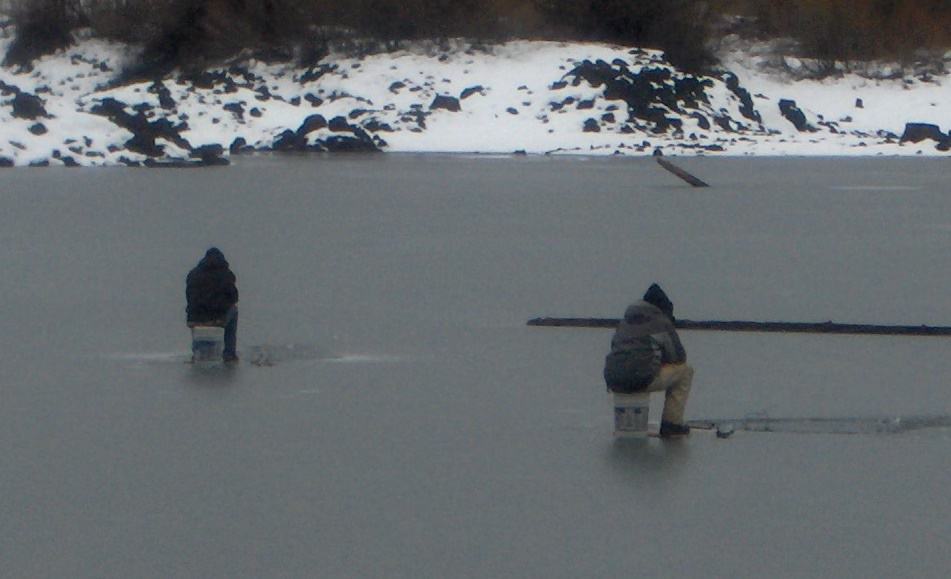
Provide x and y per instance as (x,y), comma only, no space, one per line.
(630,415)
(208,342)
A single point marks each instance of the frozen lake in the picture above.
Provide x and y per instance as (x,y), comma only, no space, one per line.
(411,425)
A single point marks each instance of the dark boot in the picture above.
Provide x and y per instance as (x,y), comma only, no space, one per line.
(669,429)
(230,353)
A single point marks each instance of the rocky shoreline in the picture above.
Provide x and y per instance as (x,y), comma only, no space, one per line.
(538,98)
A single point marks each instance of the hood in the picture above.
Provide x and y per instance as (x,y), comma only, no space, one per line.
(213,259)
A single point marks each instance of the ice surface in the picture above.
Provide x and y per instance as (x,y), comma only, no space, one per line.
(411,425)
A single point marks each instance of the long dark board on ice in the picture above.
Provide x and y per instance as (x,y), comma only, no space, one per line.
(798,327)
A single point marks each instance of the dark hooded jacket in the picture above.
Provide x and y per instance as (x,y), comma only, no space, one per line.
(644,340)
(210,289)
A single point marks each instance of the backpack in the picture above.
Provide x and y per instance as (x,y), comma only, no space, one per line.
(632,366)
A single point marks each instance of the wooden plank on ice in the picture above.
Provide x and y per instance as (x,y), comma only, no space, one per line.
(680,172)
(745,326)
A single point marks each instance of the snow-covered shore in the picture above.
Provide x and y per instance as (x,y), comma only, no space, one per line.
(532,97)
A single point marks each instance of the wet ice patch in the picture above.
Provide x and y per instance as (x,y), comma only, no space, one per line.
(849,425)
(272,354)
(151,357)
(365,358)
(875,188)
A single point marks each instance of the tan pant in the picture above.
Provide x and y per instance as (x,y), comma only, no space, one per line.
(675,380)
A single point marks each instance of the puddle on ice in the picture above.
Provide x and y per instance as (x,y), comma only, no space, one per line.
(149,358)
(853,425)
(875,188)
(260,356)
(272,354)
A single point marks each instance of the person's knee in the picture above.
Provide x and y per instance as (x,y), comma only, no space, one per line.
(688,372)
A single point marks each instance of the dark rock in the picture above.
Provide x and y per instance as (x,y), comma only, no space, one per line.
(237,109)
(239,145)
(724,122)
(69,161)
(144,132)
(255,112)
(317,72)
(445,102)
(701,121)
(355,144)
(608,117)
(129,162)
(585,105)
(264,93)
(511,111)
(28,106)
(289,141)
(859,104)
(142,108)
(396,86)
(40,163)
(644,90)
(356,113)
(210,154)
(746,101)
(208,79)
(8,89)
(145,145)
(38,129)
(311,124)
(164,95)
(668,123)
(110,108)
(295,101)
(169,164)
(917,132)
(591,126)
(313,100)
(558,85)
(791,113)
(375,126)
(6,162)
(339,124)
(468,92)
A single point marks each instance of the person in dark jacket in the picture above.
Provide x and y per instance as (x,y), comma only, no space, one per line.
(647,356)
(212,298)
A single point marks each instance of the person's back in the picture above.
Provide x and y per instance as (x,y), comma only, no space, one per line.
(211,297)
(647,356)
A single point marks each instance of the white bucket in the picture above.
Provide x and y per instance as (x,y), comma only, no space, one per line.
(630,414)
(208,342)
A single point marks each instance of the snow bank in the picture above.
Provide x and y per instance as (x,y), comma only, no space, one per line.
(532,97)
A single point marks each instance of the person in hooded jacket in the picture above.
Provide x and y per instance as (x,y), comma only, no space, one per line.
(212,298)
(647,356)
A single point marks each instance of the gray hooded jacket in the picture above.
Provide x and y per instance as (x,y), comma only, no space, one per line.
(644,340)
